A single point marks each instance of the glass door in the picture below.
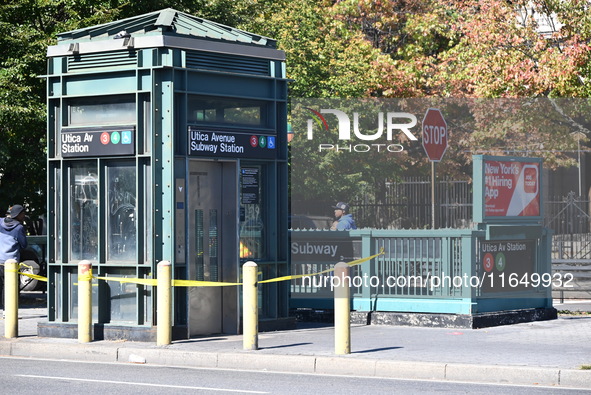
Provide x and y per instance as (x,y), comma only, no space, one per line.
(204,240)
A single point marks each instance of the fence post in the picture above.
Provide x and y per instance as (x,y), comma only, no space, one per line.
(164,304)
(342,322)
(84,302)
(250,307)
(11,298)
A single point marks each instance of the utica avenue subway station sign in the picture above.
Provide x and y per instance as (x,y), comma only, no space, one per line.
(229,144)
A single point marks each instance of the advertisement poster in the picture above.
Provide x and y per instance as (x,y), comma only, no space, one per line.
(512,189)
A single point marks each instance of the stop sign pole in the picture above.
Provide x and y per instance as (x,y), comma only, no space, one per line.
(435,144)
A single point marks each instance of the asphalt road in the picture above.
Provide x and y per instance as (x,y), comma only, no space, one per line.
(43,376)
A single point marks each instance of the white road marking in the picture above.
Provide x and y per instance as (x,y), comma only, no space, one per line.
(144,384)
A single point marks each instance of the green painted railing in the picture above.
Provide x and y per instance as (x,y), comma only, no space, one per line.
(437,271)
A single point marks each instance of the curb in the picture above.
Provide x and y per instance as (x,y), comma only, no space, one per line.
(308,364)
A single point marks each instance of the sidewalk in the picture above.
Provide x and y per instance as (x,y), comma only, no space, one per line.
(545,352)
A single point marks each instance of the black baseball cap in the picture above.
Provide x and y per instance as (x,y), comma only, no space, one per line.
(15,210)
(341,206)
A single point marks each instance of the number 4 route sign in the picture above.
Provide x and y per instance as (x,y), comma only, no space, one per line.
(434,134)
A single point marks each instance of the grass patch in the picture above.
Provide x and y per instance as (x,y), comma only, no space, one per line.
(586,367)
(568,312)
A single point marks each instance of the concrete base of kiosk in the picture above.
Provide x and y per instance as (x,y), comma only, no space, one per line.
(101,331)
(466,321)
(142,333)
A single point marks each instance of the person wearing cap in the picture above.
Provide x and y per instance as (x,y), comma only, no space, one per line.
(344,220)
(13,238)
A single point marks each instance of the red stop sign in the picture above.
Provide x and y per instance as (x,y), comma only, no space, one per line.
(434,134)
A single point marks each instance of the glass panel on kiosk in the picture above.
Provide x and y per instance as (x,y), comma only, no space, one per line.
(121,226)
(208,110)
(108,110)
(122,296)
(213,245)
(199,235)
(206,261)
(84,211)
(57,197)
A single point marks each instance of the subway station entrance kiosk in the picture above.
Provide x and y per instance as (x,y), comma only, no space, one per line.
(167,140)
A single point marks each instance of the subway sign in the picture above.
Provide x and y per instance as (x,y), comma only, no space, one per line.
(89,143)
(228,144)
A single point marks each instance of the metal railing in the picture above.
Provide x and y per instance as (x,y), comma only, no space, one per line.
(418,269)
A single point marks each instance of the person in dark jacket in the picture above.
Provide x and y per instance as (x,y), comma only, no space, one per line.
(13,239)
(344,220)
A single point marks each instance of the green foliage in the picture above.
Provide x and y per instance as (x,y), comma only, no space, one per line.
(325,59)
(27,28)
(344,49)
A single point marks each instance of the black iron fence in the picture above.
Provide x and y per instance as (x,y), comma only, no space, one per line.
(569,218)
(407,205)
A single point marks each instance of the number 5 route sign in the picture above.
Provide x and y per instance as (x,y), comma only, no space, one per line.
(434,134)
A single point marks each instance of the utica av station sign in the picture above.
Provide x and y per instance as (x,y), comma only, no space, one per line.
(97,142)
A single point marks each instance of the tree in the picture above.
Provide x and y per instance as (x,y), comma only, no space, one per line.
(483,49)
(324,57)
(346,49)
(27,28)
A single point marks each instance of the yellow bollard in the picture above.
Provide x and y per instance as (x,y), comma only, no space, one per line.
(164,304)
(342,323)
(250,307)
(11,298)
(84,302)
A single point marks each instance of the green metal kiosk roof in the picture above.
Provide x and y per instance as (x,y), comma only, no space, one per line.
(167,21)
(165,28)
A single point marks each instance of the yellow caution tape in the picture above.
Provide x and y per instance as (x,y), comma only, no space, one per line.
(193,283)
(296,276)
(86,277)
(33,276)
(359,261)
(141,281)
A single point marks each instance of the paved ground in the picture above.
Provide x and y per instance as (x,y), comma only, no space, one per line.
(545,352)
